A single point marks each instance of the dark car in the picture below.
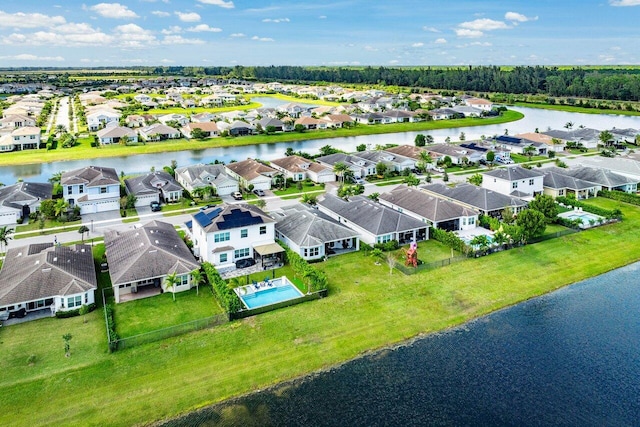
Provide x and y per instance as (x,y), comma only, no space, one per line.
(155,206)
(244,263)
(258,192)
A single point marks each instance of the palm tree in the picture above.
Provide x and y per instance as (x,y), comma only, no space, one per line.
(340,169)
(60,207)
(83,229)
(170,282)
(5,236)
(529,151)
(424,159)
(197,278)
(606,138)
(61,129)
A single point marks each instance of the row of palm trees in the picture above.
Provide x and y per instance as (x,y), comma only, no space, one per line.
(172,280)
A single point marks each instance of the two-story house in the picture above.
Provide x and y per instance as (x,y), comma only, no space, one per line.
(515,181)
(93,188)
(225,234)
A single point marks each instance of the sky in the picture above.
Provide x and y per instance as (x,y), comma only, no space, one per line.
(71,33)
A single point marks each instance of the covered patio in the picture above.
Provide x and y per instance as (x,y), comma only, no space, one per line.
(269,255)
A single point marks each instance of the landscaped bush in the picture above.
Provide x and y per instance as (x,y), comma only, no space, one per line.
(609,214)
(391,245)
(448,238)
(633,199)
(73,313)
(315,279)
(226,297)
(111,327)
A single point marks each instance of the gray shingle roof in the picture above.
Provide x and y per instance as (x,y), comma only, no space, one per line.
(433,208)
(250,169)
(598,176)
(513,173)
(151,182)
(91,176)
(153,250)
(42,271)
(553,179)
(306,227)
(17,195)
(371,216)
(478,197)
(202,175)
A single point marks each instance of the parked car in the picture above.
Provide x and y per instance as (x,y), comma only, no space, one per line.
(244,263)
(4,315)
(258,192)
(155,206)
(237,195)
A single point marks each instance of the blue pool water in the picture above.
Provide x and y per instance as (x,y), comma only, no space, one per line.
(270,296)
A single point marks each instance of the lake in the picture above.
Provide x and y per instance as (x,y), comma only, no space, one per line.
(534,118)
(569,358)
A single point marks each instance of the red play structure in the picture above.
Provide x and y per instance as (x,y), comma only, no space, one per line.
(412,255)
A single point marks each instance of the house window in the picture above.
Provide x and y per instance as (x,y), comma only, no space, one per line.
(263,229)
(16,138)
(81,189)
(32,137)
(514,185)
(241,253)
(472,221)
(86,298)
(103,190)
(384,239)
(184,280)
(244,233)
(311,252)
(70,189)
(531,182)
(223,257)
(74,301)
(560,192)
(221,237)
(464,221)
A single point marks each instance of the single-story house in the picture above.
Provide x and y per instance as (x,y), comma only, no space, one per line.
(201,175)
(209,129)
(358,166)
(114,134)
(181,119)
(604,178)
(557,184)
(156,186)
(42,276)
(240,128)
(298,169)
(487,202)
(252,172)
(141,259)
(17,201)
(159,132)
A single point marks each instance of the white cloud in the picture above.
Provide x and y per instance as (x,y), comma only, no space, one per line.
(29,57)
(370,49)
(174,29)
(419,44)
(461,32)
(430,29)
(518,17)
(484,44)
(616,48)
(624,2)
(188,17)
(29,20)
(113,10)
(160,13)
(262,39)
(238,35)
(70,34)
(484,24)
(167,61)
(276,21)
(204,28)
(440,41)
(394,61)
(180,40)
(221,3)
(322,17)
(133,36)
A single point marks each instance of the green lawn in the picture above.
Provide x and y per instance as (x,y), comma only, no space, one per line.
(84,151)
(367,308)
(149,314)
(293,189)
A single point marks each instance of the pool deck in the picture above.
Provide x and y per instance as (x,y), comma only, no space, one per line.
(468,235)
(247,290)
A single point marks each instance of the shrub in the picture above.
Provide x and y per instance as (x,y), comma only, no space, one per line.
(609,214)
(226,297)
(111,327)
(448,238)
(391,245)
(315,279)
(73,313)
(633,199)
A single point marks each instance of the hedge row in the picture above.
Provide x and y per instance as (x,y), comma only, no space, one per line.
(111,327)
(74,313)
(609,214)
(448,238)
(621,196)
(315,279)
(226,297)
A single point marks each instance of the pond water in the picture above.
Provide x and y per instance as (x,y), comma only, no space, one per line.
(534,118)
(569,358)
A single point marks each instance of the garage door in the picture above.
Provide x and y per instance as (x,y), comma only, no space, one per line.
(8,218)
(104,206)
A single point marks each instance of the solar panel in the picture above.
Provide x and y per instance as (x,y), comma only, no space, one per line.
(238,218)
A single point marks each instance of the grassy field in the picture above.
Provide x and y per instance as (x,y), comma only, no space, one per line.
(85,151)
(367,308)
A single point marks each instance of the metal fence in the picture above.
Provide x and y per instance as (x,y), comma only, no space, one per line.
(429,265)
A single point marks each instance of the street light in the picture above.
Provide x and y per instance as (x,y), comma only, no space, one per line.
(92,226)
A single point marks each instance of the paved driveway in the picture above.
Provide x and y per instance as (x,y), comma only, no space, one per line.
(105,218)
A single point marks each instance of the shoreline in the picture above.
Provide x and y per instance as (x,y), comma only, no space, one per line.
(230,402)
(85,152)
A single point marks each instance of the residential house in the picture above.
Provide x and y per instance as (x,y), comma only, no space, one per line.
(203,117)
(201,175)
(626,136)
(16,121)
(156,186)
(370,118)
(487,202)
(627,166)
(312,234)
(240,128)
(479,103)
(270,122)
(604,178)
(309,123)
(135,121)
(251,172)
(467,111)
(298,169)
(540,138)
(514,181)
(99,118)
(141,259)
(456,153)
(357,165)
(209,129)
(520,145)
(41,276)
(93,188)
(225,234)
(337,120)
(293,110)
(180,119)
(142,98)
(375,223)
(558,184)
(588,137)
(406,150)
(393,162)
(21,138)
(430,209)
(17,201)
(159,132)
(115,134)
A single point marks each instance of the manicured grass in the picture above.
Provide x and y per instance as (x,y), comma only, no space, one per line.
(49,223)
(520,158)
(293,189)
(197,110)
(84,152)
(158,312)
(367,308)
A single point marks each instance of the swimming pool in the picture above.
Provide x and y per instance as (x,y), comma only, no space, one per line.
(280,290)
(585,217)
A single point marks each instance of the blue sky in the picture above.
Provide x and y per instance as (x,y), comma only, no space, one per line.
(316,32)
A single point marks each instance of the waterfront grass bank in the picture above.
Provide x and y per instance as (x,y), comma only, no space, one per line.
(367,308)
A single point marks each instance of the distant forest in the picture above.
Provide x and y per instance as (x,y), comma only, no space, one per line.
(614,83)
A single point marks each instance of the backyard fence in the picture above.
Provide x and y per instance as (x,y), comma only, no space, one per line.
(428,265)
